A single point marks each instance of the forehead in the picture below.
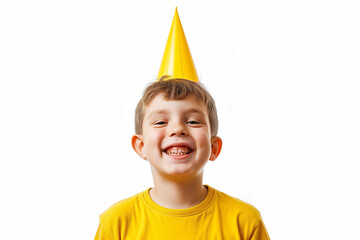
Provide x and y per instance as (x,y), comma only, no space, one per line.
(161,104)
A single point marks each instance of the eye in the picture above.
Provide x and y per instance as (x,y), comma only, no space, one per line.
(193,122)
(160,123)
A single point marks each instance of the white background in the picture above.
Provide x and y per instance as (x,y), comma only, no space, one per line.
(284,74)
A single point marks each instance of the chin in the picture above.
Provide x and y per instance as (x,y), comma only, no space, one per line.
(181,172)
(178,173)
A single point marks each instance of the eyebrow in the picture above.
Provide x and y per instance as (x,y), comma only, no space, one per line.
(190,110)
(157,112)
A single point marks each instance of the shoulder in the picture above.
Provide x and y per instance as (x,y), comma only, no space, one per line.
(122,209)
(237,208)
(242,216)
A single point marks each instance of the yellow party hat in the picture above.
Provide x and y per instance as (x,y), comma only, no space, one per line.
(177,61)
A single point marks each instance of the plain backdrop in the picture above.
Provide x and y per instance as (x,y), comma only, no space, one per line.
(284,74)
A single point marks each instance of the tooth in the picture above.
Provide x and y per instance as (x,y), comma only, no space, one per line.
(176,151)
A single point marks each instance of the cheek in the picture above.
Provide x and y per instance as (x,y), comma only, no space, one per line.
(204,140)
(153,138)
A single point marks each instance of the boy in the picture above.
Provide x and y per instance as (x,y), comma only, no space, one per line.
(176,132)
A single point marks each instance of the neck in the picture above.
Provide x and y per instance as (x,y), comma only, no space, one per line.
(178,194)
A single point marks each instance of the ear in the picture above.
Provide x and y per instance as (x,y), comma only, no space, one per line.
(216,144)
(137,143)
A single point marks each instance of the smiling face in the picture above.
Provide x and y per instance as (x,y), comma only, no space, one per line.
(176,137)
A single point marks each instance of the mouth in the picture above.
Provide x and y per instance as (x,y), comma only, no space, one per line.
(178,151)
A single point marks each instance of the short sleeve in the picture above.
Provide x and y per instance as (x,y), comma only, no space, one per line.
(101,234)
(260,232)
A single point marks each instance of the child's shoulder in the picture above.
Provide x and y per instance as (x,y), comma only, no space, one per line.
(122,208)
(236,206)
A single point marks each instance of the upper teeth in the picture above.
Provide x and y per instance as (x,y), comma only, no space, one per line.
(178,151)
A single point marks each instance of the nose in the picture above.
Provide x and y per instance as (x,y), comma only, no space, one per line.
(177,129)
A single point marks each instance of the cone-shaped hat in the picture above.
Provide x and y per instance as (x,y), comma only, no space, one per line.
(177,61)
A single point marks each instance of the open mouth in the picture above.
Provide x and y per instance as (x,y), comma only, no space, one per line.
(178,151)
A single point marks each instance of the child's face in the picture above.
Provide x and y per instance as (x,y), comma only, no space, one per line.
(176,137)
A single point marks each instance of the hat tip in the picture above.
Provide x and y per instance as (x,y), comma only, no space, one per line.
(177,61)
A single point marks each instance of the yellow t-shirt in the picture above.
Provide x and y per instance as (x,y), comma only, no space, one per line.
(218,216)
